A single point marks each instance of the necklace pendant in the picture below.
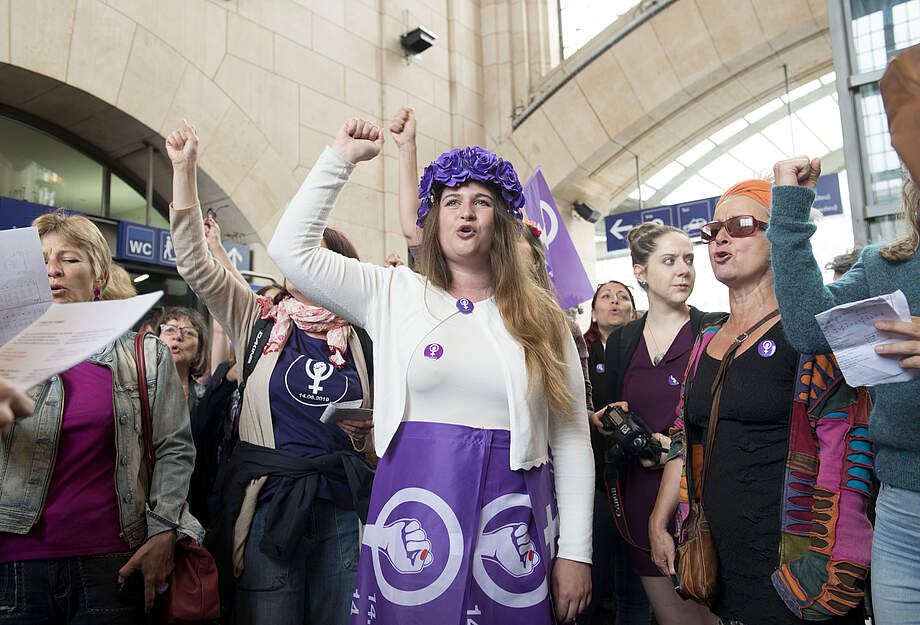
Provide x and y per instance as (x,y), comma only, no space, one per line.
(657,359)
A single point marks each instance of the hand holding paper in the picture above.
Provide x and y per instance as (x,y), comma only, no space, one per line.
(853,332)
(910,349)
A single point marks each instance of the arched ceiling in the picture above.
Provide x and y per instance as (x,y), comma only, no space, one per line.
(683,74)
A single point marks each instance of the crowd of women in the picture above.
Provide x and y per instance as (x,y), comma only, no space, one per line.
(439,444)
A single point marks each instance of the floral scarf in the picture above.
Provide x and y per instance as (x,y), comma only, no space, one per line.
(309,319)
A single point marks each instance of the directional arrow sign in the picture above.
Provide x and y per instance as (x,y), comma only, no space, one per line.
(235,257)
(618,229)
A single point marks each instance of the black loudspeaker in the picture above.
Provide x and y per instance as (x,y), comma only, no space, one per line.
(586,212)
(417,41)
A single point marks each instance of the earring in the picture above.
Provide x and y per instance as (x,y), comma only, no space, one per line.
(95,295)
(643,284)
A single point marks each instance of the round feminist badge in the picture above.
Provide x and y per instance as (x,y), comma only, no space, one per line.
(599,367)
(464,305)
(766,348)
(434,351)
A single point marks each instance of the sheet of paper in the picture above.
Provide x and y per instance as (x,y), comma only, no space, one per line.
(67,334)
(24,290)
(851,333)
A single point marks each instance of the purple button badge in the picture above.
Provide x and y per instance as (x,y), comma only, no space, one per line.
(672,380)
(464,305)
(599,367)
(766,348)
(434,351)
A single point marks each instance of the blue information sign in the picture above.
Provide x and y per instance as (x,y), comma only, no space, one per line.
(691,216)
(694,215)
(146,244)
(827,195)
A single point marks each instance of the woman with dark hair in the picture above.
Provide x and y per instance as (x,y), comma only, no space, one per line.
(644,365)
(481,377)
(292,493)
(611,307)
(77,513)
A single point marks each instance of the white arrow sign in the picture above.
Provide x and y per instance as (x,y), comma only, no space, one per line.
(617,229)
(235,257)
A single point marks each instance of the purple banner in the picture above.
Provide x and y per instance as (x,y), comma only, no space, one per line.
(562,261)
(454,535)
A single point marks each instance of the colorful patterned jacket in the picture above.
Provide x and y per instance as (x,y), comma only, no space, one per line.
(826,537)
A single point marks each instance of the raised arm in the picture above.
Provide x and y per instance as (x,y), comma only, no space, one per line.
(799,286)
(229,299)
(342,285)
(402,127)
(216,247)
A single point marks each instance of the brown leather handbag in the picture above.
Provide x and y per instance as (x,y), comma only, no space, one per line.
(697,559)
(192,595)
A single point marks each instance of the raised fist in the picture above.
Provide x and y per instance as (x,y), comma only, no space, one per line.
(358,140)
(511,547)
(402,127)
(797,172)
(404,543)
(182,146)
(211,233)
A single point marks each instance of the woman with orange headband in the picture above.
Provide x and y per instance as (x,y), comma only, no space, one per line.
(784,485)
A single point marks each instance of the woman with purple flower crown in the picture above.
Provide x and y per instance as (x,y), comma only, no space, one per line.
(482,503)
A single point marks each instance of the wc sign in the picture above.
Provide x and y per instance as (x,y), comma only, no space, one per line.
(138,243)
(146,244)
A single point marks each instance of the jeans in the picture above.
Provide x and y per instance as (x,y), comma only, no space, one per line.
(612,567)
(81,590)
(315,585)
(896,557)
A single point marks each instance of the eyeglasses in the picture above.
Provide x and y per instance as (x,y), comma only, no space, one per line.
(737,227)
(170,330)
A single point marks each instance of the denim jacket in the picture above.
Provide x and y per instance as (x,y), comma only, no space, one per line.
(29,449)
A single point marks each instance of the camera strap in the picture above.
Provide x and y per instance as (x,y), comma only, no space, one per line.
(613,486)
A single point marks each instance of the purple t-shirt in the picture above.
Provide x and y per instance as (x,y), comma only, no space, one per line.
(303,383)
(80,516)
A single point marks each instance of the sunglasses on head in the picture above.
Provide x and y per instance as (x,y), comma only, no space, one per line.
(738,227)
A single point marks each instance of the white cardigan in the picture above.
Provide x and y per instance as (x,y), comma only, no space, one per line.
(398,308)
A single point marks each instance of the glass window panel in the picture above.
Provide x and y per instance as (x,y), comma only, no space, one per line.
(582,20)
(725,171)
(126,204)
(36,167)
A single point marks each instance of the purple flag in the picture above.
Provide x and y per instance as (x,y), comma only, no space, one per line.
(562,262)
(454,535)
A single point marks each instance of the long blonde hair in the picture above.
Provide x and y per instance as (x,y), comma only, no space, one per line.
(530,312)
(905,248)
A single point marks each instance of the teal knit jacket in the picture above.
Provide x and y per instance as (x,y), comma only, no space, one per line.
(895,422)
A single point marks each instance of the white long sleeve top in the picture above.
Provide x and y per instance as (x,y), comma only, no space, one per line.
(398,308)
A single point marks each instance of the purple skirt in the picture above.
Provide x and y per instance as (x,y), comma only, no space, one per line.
(454,535)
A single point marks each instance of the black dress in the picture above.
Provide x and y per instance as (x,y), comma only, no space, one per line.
(745,483)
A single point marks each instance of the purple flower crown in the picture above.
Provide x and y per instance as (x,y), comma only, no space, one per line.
(459,165)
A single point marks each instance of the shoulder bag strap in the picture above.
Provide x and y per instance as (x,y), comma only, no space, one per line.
(717,394)
(146,423)
(258,338)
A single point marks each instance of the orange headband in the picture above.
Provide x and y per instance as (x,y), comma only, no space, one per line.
(758,190)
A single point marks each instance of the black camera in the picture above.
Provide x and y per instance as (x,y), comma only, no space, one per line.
(630,437)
